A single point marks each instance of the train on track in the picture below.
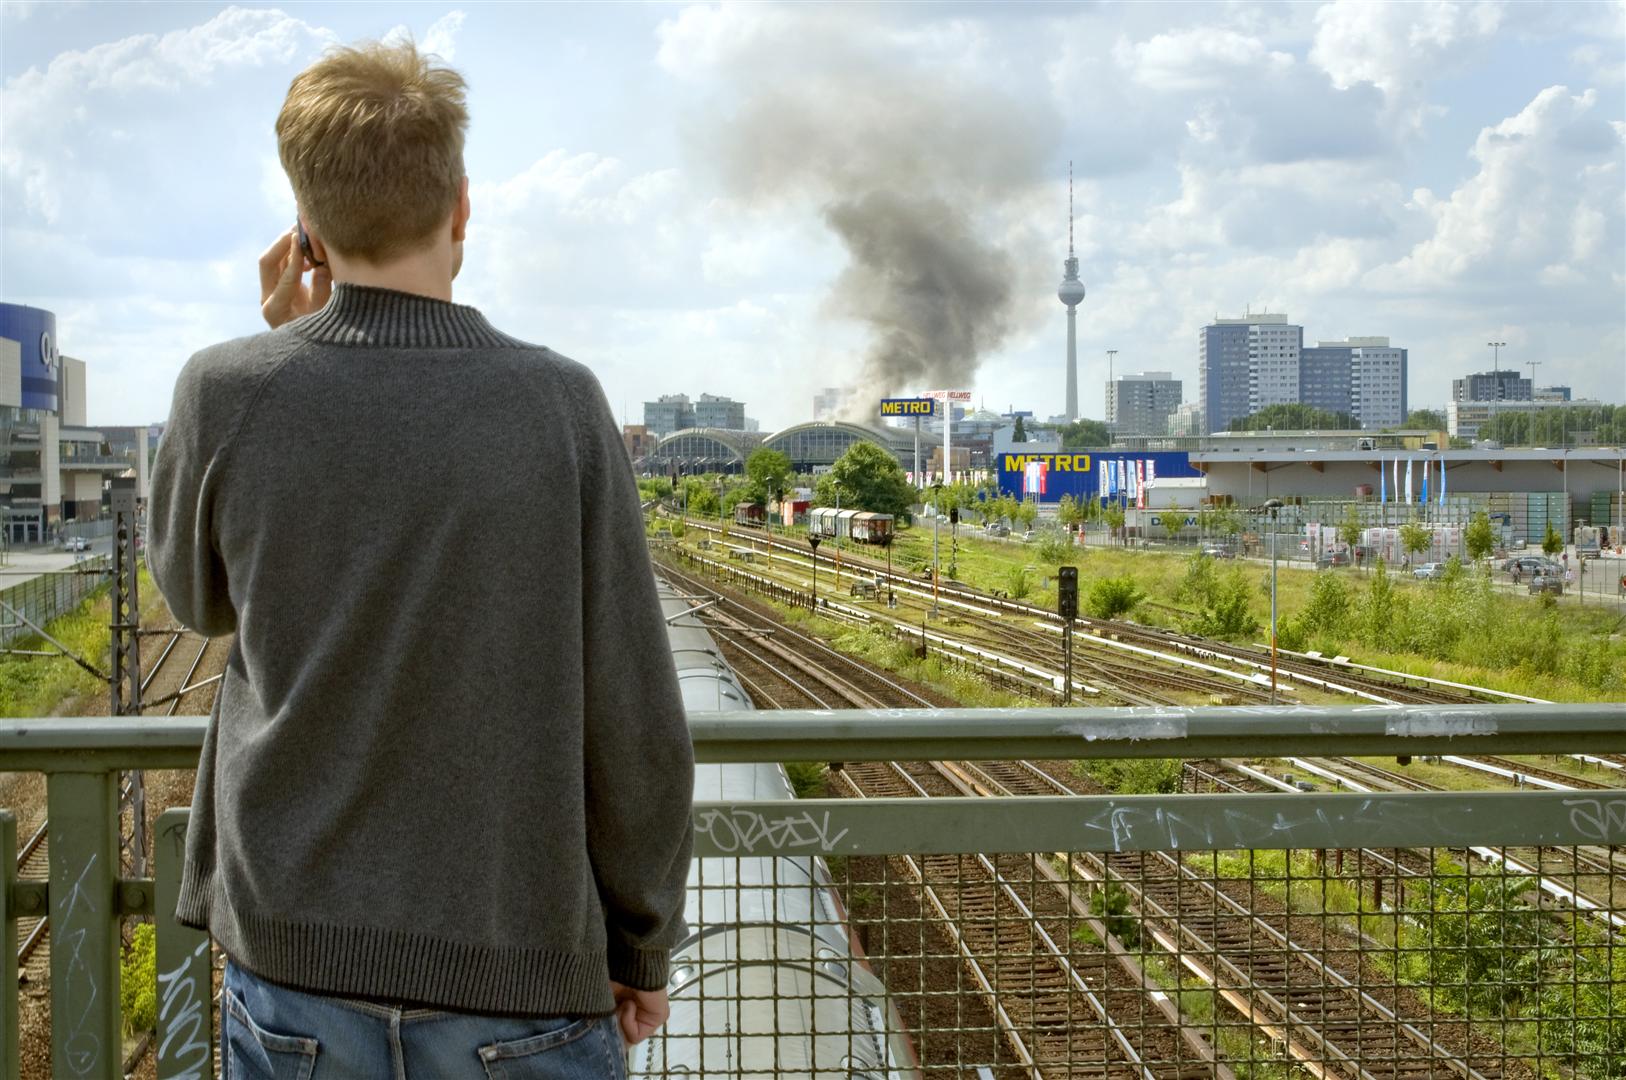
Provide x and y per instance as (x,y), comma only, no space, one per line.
(770,980)
(859,525)
(750,513)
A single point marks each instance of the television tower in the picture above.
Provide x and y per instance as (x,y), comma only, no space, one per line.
(1071,292)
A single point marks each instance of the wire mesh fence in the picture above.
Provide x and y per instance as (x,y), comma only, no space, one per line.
(1253,963)
(43,598)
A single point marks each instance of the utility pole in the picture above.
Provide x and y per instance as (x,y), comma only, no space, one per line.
(1496,348)
(1112,411)
(125,681)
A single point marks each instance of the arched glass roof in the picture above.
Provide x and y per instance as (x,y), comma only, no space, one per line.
(821,442)
(705,449)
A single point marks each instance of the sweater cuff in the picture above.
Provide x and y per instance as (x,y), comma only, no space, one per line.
(641,969)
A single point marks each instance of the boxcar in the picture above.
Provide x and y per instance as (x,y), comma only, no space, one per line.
(747,513)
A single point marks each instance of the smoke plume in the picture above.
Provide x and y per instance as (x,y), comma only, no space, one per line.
(910,155)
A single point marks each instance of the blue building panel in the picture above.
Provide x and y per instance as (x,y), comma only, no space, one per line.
(34,331)
(1077,472)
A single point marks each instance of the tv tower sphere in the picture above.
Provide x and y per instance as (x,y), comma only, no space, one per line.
(1071,290)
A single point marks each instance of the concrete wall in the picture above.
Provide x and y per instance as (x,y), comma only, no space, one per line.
(71,392)
(11,373)
(1249,481)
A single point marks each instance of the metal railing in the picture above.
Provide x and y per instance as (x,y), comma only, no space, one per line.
(978,916)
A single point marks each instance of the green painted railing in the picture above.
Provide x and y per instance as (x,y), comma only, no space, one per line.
(85,896)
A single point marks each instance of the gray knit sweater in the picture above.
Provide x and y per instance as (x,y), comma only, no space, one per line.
(448,763)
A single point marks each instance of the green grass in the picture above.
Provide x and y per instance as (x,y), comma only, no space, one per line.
(33,686)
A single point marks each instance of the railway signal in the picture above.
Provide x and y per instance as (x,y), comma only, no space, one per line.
(813,542)
(1067,608)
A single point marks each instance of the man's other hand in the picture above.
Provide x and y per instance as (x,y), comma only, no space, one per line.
(283,292)
(639,1011)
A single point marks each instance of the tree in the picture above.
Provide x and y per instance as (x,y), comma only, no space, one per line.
(1479,537)
(1293,416)
(1026,512)
(1111,597)
(869,478)
(1082,434)
(1174,519)
(1425,420)
(1349,530)
(1552,543)
(1414,538)
(1021,432)
(1113,515)
(769,473)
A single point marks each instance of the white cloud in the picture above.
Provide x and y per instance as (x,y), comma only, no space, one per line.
(441,38)
(1203,58)
(1546,197)
(1401,47)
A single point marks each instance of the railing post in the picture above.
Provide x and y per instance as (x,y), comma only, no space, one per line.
(85,1022)
(184,1048)
(10,1033)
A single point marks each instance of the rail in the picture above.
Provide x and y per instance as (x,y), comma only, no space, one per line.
(997,922)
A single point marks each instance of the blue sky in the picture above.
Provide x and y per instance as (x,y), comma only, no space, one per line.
(657,187)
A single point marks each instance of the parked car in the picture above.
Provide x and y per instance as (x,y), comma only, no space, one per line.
(1428,571)
(75,543)
(1527,565)
(1332,558)
(997,529)
(1552,582)
(1219,551)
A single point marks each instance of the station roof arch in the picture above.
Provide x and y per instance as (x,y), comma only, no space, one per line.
(821,442)
(704,450)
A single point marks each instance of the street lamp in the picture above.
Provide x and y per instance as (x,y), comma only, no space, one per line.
(1496,348)
(1274,506)
(937,497)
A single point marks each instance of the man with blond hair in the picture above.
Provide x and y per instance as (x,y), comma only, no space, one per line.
(441,824)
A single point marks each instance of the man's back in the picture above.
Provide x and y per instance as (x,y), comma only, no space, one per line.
(443,758)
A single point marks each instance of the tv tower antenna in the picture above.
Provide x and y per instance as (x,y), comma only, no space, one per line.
(1071,293)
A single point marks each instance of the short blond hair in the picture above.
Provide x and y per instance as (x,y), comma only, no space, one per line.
(371,137)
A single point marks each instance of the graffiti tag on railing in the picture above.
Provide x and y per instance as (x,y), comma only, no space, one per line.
(183,1016)
(747,831)
(1598,820)
(82,1048)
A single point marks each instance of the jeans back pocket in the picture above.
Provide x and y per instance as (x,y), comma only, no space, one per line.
(579,1050)
(249,1052)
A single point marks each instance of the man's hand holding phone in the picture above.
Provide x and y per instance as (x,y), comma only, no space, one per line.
(283,292)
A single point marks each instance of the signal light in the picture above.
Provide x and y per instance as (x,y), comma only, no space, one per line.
(1067,592)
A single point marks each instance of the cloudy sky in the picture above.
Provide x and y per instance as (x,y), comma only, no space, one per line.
(761,201)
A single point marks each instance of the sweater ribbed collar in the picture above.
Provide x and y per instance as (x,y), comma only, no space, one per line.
(387,318)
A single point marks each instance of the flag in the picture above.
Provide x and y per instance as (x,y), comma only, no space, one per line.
(1394,481)
(1383,484)
(1112,478)
(1140,484)
(1442,481)
(1034,477)
(1100,478)
(1427,468)
(1408,480)
(1151,473)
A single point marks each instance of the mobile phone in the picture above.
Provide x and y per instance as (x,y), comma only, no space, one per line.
(305,243)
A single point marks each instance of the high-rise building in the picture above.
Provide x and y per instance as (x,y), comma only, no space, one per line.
(1324,376)
(1186,420)
(831,403)
(1273,360)
(1551,393)
(1377,383)
(719,412)
(668,413)
(1504,385)
(1141,404)
(1222,375)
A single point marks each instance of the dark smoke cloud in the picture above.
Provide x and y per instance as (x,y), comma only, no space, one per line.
(935,296)
(910,160)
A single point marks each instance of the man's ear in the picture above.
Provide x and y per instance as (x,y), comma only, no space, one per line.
(460,213)
(318,248)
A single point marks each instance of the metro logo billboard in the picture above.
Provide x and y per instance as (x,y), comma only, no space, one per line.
(907,406)
(1076,474)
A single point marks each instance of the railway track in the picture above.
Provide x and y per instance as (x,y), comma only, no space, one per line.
(1294,994)
(1058,999)
(33,858)
(1321,674)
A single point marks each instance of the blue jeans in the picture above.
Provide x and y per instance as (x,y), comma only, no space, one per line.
(269,1032)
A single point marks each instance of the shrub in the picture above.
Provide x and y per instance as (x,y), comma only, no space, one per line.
(806,778)
(1054,549)
(1017,583)
(138,980)
(1111,597)
(1133,776)
(1227,611)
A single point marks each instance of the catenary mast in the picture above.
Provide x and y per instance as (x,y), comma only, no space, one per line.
(1071,292)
